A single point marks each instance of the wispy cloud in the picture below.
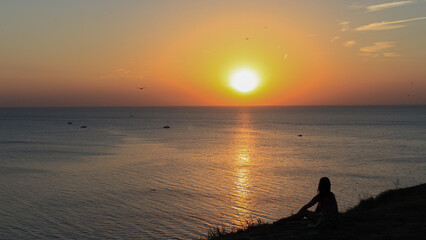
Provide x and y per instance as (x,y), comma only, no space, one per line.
(335,38)
(382,6)
(378,47)
(349,43)
(391,54)
(122,71)
(372,55)
(344,26)
(123,74)
(378,26)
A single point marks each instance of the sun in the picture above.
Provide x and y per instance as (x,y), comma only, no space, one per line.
(244,80)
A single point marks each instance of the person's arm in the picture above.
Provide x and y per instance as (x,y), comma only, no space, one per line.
(302,212)
(318,209)
(310,204)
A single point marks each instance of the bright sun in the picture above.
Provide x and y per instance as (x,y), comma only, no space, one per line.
(244,80)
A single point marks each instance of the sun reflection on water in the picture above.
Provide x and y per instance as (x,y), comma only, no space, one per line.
(244,148)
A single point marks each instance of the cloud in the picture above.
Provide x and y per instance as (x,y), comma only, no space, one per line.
(123,74)
(372,55)
(378,26)
(344,26)
(122,71)
(378,47)
(391,54)
(349,43)
(382,6)
(335,38)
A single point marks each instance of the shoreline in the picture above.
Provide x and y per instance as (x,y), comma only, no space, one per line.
(393,214)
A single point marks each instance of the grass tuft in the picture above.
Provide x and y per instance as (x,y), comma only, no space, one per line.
(218,233)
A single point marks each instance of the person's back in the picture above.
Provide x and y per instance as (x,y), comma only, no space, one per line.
(328,205)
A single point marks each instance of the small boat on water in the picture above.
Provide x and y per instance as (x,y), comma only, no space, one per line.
(167,126)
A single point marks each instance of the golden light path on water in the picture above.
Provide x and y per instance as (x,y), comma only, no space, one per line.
(244,149)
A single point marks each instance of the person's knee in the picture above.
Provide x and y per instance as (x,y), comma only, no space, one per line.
(303,212)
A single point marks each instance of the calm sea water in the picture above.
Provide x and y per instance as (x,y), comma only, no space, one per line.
(125,177)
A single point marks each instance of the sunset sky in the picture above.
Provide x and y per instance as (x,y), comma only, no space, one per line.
(100,52)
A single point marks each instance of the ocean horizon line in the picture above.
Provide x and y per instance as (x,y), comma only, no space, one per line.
(219,106)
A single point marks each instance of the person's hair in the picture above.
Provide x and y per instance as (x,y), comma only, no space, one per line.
(324,187)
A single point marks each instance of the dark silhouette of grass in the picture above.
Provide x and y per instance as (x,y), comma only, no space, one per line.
(222,233)
(393,214)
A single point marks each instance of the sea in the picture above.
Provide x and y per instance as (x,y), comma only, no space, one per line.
(125,176)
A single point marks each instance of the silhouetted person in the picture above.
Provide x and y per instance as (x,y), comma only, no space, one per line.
(326,210)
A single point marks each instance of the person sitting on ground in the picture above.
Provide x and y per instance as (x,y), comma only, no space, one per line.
(326,210)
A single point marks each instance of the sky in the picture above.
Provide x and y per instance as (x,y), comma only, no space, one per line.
(182,52)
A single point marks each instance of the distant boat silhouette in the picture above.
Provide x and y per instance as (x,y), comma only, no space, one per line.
(300,135)
(167,126)
(69,122)
(83,127)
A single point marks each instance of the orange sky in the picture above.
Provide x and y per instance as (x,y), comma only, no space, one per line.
(311,53)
